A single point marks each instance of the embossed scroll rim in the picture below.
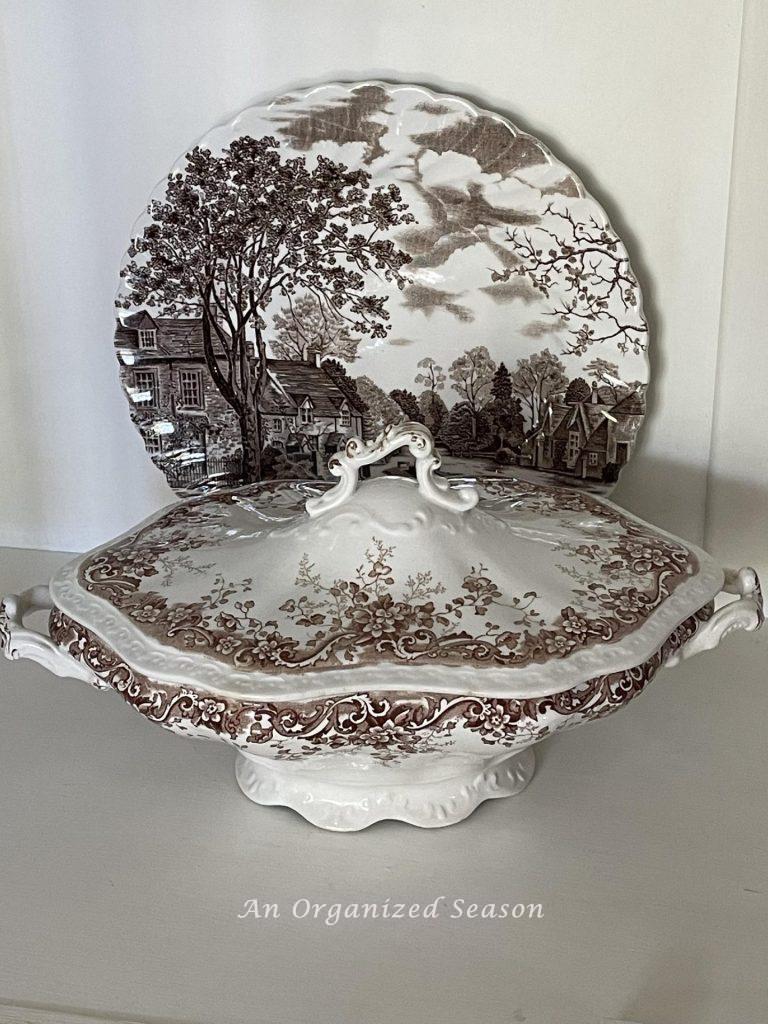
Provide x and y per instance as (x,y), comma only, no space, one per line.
(18,641)
(169,667)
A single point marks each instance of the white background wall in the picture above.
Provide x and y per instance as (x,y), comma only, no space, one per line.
(100,96)
(737,507)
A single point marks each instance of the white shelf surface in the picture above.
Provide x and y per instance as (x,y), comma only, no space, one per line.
(126,855)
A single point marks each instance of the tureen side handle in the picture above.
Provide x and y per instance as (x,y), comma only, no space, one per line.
(747,613)
(20,641)
(419,441)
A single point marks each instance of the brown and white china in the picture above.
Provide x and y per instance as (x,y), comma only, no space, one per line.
(385,648)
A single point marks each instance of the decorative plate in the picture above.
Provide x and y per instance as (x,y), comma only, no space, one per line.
(361,255)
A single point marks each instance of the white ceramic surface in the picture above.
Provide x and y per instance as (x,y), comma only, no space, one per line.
(367,254)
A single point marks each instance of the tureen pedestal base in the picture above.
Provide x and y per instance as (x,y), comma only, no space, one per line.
(353,798)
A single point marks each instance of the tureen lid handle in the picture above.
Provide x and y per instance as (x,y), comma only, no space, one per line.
(420,443)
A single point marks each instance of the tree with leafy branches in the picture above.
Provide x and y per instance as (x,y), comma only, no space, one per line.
(433,411)
(578,390)
(432,408)
(381,409)
(431,376)
(538,381)
(459,430)
(604,372)
(504,410)
(408,403)
(304,328)
(235,230)
(501,385)
(472,376)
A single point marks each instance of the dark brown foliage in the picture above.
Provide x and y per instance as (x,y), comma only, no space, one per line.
(236,229)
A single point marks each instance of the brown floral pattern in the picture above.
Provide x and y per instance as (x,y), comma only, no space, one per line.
(372,616)
(387,726)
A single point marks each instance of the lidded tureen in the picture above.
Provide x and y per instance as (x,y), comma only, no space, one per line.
(385,648)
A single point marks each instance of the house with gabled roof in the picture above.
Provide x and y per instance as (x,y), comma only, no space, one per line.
(178,407)
(174,401)
(303,406)
(592,439)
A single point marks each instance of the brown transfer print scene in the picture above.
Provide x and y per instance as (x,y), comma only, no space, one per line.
(360,256)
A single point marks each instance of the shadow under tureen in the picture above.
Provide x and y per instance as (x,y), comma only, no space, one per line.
(391,648)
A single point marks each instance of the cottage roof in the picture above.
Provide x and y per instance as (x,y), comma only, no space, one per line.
(275,402)
(292,382)
(177,338)
(583,416)
(632,404)
(139,320)
(305,380)
(598,439)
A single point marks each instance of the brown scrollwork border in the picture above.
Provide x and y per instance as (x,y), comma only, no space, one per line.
(403,722)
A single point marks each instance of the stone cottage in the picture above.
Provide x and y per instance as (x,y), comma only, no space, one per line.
(182,415)
(592,439)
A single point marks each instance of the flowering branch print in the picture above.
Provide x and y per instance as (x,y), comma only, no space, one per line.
(601,301)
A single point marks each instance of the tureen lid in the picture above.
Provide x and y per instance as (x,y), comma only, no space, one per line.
(289,589)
